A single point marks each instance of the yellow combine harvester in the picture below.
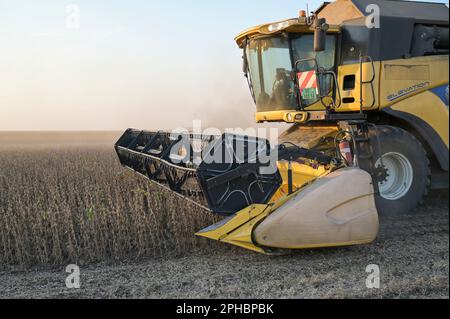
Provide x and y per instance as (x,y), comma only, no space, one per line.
(367,96)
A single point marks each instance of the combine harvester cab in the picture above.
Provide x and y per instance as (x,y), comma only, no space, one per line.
(285,197)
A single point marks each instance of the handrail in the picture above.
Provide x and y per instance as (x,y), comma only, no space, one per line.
(361,100)
(321,71)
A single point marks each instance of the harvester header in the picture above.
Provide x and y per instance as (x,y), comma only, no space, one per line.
(365,87)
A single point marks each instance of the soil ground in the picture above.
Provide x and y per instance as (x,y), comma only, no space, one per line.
(412,252)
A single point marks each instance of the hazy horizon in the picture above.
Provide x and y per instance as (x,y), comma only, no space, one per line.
(108,65)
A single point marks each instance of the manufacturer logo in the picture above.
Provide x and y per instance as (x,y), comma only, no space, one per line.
(407,91)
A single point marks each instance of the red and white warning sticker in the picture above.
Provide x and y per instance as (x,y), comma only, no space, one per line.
(307,83)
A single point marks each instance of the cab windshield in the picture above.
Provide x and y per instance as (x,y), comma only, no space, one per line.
(270,66)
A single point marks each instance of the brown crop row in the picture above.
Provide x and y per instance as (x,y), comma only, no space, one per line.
(63,205)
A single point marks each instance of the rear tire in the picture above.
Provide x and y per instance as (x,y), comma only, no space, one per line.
(408,170)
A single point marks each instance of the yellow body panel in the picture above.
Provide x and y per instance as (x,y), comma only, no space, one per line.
(301,174)
(403,78)
(405,86)
(428,107)
(238,230)
(242,236)
(271,116)
(280,115)
(369,97)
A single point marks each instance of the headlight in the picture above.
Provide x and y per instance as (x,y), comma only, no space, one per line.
(289,117)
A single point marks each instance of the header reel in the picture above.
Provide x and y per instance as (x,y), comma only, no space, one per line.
(225,173)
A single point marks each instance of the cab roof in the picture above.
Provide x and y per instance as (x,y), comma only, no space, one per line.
(340,11)
(295,25)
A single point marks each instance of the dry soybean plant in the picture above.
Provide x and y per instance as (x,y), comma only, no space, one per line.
(72,204)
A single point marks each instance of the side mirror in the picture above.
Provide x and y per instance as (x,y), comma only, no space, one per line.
(320,33)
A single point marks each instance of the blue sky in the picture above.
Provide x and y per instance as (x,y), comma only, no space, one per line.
(139,63)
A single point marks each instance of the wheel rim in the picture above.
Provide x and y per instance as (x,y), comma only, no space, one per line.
(399,176)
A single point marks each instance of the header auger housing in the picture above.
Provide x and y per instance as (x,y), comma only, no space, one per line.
(368,100)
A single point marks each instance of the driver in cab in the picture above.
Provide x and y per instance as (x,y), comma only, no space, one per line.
(281,88)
